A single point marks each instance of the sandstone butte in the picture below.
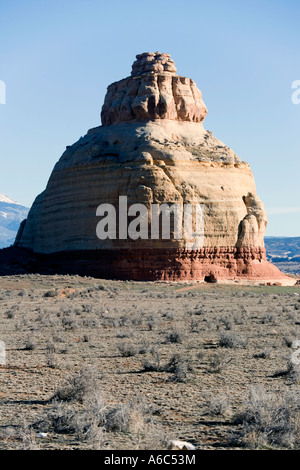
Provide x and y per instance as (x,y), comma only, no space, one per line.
(153,148)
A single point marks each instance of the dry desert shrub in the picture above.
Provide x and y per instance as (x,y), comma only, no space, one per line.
(151,322)
(131,348)
(93,422)
(136,418)
(61,418)
(128,417)
(178,365)
(232,340)
(168,316)
(290,338)
(153,362)
(52,293)
(128,349)
(218,362)
(30,344)
(175,336)
(11,313)
(27,436)
(269,317)
(216,405)
(194,325)
(78,387)
(270,420)
(69,324)
(51,359)
(227,322)
(87,422)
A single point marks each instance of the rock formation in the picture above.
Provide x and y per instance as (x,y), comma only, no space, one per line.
(153,91)
(152,147)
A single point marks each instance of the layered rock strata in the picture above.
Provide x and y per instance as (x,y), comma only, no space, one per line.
(152,147)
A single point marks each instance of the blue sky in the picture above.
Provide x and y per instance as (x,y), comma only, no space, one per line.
(58,57)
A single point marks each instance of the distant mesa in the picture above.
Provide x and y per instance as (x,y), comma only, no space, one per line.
(153,148)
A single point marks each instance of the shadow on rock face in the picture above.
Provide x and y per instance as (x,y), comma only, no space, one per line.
(210,278)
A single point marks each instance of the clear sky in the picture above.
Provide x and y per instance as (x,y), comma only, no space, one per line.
(57,58)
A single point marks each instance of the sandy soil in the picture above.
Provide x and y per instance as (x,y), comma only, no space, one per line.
(155,361)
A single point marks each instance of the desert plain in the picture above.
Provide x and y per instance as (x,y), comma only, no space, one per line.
(106,364)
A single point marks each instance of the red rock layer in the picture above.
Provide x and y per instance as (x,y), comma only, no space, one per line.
(209,264)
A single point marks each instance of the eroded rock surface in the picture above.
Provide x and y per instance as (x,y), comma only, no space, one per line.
(152,147)
(153,91)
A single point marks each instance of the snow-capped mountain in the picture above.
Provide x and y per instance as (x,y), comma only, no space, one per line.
(4,198)
(11,215)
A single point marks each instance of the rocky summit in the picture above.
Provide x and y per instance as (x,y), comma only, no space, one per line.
(153,149)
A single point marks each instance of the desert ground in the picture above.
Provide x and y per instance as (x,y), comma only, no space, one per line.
(99,364)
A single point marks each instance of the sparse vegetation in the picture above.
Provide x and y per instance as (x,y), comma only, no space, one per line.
(217,405)
(270,420)
(232,340)
(97,364)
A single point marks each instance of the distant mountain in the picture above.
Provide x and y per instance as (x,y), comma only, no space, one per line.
(284,252)
(11,215)
(285,248)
